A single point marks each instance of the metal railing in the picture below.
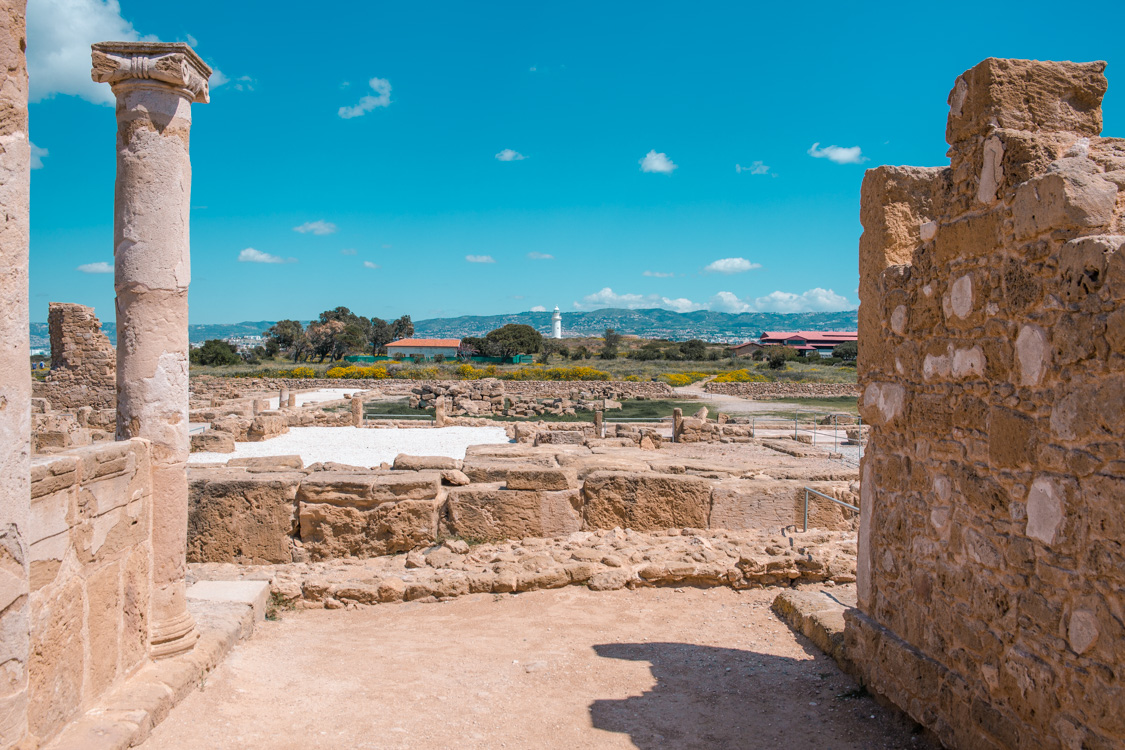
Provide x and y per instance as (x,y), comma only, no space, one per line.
(416,417)
(826,497)
(622,420)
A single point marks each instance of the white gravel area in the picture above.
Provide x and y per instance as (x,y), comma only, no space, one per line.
(315,397)
(362,446)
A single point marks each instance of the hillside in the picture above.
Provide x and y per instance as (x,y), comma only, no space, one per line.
(702,324)
(664,324)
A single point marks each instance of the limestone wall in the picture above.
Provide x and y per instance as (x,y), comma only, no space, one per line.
(783,390)
(15,376)
(91,572)
(83,362)
(992,360)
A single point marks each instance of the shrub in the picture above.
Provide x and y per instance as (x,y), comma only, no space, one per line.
(354,372)
(632,378)
(680,379)
(740,376)
(298,372)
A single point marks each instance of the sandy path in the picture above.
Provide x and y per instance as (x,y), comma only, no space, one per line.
(567,669)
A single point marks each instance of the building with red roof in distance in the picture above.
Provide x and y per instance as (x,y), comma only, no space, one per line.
(427,348)
(807,343)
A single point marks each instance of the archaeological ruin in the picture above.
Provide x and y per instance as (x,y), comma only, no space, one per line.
(992,361)
(959,553)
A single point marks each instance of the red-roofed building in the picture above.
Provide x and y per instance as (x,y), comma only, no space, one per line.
(808,342)
(425,347)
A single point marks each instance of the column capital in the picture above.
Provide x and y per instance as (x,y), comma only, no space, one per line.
(174,64)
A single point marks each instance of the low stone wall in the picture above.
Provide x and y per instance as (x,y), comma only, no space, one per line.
(208,385)
(91,572)
(268,512)
(783,390)
(83,362)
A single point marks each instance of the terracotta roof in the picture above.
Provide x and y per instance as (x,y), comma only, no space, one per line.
(817,335)
(427,342)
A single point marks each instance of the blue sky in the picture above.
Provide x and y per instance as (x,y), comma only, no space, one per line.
(478,158)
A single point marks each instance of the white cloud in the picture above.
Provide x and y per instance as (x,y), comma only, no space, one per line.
(191,40)
(218,78)
(510,155)
(813,300)
(316,227)
(347,251)
(608,298)
(659,163)
(100,267)
(756,167)
(382,98)
(59,35)
(540,256)
(479,259)
(659,274)
(539,308)
(369,264)
(244,83)
(250,255)
(731,265)
(37,155)
(838,154)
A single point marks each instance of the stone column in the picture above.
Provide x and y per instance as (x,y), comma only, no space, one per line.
(15,376)
(283,398)
(357,410)
(155,85)
(439,412)
(677,424)
(292,401)
(599,423)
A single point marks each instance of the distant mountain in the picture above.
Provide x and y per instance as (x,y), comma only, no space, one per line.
(655,323)
(199,332)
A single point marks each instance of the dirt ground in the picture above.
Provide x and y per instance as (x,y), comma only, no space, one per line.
(565,668)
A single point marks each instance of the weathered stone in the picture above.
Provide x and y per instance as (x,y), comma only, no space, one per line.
(242,518)
(212,441)
(492,514)
(645,501)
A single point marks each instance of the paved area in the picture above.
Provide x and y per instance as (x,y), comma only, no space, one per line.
(566,668)
(366,447)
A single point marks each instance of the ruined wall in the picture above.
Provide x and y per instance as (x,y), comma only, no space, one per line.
(15,376)
(91,573)
(992,360)
(83,362)
(783,390)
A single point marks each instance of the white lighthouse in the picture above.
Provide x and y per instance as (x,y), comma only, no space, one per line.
(556,324)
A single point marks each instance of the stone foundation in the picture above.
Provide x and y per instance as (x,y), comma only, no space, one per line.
(783,390)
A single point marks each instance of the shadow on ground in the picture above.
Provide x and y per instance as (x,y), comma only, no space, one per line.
(710,697)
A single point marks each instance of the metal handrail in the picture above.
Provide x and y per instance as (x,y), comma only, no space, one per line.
(826,497)
(427,417)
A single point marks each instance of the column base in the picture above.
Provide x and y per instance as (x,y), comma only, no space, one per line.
(173,637)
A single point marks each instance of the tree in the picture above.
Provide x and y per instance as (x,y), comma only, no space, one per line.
(214,352)
(403,328)
(847,350)
(779,355)
(693,349)
(612,341)
(580,352)
(470,347)
(289,336)
(322,337)
(512,339)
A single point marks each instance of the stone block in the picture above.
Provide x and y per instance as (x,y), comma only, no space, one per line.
(542,478)
(560,437)
(242,518)
(404,462)
(212,441)
(1026,95)
(268,463)
(645,502)
(253,594)
(329,530)
(494,514)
